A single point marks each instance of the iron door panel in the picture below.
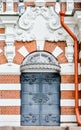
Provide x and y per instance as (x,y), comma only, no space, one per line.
(50,120)
(40,99)
(30,109)
(53,87)
(29,88)
(30,120)
(50,109)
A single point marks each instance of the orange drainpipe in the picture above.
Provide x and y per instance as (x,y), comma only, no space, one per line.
(62,14)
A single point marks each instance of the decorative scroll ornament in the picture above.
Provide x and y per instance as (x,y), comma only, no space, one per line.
(40,98)
(29,118)
(39,23)
(51,118)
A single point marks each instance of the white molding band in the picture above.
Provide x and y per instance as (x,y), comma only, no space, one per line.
(10,123)
(68,124)
(10,102)
(69,86)
(68,69)
(23,51)
(68,118)
(11,118)
(10,86)
(68,102)
(11,69)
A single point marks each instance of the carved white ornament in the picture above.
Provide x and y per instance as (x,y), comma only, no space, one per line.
(40,60)
(40,23)
(39,3)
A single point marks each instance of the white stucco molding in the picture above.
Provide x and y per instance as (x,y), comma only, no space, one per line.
(9,69)
(40,24)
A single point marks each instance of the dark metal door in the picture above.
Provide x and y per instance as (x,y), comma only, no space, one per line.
(40,99)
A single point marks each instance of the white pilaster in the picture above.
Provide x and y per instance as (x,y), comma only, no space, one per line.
(9,22)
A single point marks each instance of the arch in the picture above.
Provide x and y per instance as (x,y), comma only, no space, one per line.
(40,61)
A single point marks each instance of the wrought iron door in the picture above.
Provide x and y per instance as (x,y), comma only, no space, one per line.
(40,99)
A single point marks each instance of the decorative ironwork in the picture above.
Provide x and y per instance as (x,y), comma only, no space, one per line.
(50,117)
(29,118)
(40,98)
(31,79)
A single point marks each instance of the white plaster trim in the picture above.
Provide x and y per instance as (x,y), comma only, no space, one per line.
(2,36)
(1,51)
(68,118)
(10,123)
(68,69)
(23,51)
(10,86)
(68,124)
(57,51)
(80,54)
(10,102)
(11,118)
(40,44)
(68,102)
(69,87)
(10,69)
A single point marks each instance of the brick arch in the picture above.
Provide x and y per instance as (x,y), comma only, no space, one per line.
(57,49)
(22,50)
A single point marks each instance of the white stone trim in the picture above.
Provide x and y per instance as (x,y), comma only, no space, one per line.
(57,51)
(10,86)
(10,102)
(69,102)
(80,54)
(68,118)
(68,69)
(68,124)
(23,51)
(40,44)
(2,36)
(69,86)
(11,118)
(10,123)
(1,51)
(11,69)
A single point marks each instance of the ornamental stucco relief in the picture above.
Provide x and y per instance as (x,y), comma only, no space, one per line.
(40,23)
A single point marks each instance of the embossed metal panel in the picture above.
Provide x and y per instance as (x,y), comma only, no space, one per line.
(40,99)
